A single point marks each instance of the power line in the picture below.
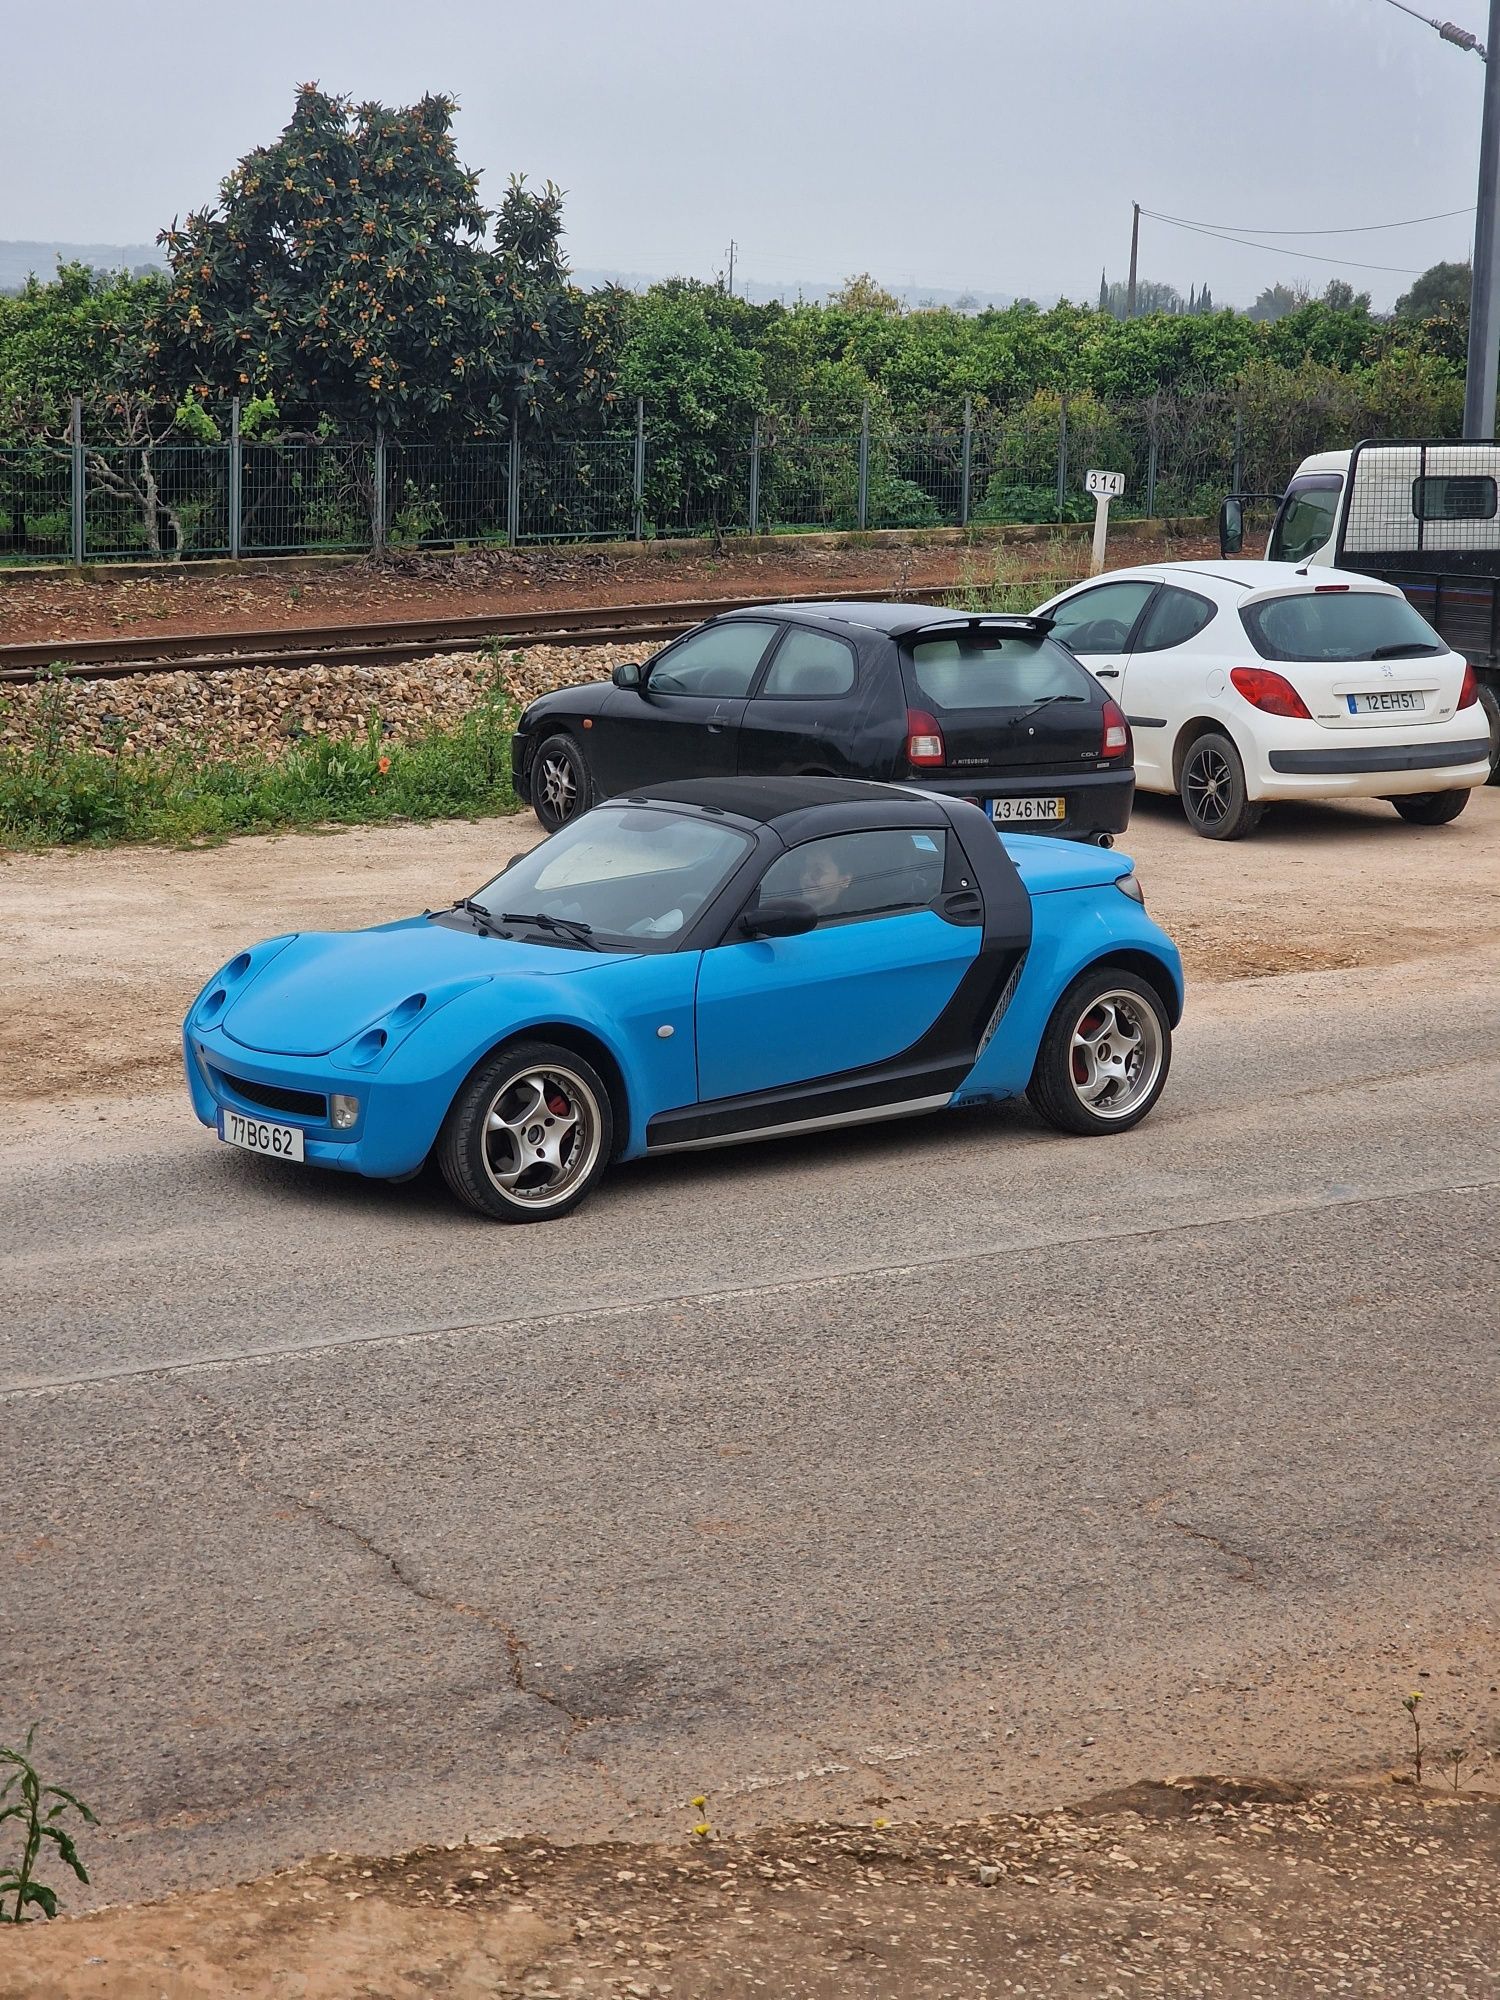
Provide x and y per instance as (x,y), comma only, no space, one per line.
(1279,250)
(1460,37)
(1354,229)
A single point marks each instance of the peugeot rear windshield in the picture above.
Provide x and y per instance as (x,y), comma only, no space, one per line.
(971,667)
(1331,624)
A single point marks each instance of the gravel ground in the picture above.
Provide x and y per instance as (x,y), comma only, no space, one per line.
(1196,1888)
(248,709)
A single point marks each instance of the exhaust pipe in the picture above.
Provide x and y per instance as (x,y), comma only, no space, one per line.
(1104,839)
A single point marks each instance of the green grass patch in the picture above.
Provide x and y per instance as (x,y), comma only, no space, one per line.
(998,586)
(52,796)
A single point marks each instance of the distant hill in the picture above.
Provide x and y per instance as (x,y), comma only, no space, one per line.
(19,260)
(815,291)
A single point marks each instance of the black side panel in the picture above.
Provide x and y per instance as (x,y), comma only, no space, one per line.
(850,1096)
(938,1062)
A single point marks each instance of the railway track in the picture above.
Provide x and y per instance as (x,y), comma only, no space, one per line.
(390,642)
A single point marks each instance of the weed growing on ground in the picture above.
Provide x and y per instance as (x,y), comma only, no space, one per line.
(1409,1702)
(51,796)
(36,1810)
(1006,589)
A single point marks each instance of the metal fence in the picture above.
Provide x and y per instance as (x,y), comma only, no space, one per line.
(83,501)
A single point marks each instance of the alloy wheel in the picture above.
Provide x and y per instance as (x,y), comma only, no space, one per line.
(1115,1055)
(1209,784)
(558,785)
(541,1136)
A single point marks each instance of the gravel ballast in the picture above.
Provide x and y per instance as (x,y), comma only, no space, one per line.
(245,709)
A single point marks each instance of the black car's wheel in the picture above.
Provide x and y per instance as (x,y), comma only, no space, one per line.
(1431,808)
(528,1135)
(1213,790)
(1105,1055)
(561,787)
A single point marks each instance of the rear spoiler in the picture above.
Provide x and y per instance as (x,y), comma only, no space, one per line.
(1030,624)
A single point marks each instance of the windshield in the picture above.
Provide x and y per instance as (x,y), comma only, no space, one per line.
(1338,625)
(1306,519)
(637,876)
(974,668)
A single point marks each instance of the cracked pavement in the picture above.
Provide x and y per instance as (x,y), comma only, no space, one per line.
(926,1469)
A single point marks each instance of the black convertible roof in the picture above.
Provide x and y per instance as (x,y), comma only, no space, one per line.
(774,801)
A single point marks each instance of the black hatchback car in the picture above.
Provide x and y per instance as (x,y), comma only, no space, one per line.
(985,707)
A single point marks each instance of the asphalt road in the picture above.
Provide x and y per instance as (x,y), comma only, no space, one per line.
(928,1468)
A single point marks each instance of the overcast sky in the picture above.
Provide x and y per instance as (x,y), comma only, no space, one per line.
(992,144)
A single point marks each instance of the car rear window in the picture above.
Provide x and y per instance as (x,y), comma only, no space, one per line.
(979,669)
(1338,625)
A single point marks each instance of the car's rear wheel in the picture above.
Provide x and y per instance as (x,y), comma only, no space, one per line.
(1431,808)
(1104,1058)
(528,1135)
(1489,708)
(1213,791)
(561,785)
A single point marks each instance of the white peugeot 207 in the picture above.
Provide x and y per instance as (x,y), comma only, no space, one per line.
(1246,682)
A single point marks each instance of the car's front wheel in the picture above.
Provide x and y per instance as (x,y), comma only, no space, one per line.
(561,786)
(1431,808)
(1213,791)
(528,1135)
(1105,1055)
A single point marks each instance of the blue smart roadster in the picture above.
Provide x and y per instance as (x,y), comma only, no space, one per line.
(715,960)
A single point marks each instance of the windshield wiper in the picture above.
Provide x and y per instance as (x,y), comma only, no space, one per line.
(568,927)
(484,918)
(1407,649)
(1036,707)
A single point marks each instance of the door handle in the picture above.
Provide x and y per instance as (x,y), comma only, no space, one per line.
(1106,673)
(963,906)
(717,728)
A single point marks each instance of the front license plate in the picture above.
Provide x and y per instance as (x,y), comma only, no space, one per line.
(1396,702)
(1013,811)
(257,1135)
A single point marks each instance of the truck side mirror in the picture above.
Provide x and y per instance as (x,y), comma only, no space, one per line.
(1231,527)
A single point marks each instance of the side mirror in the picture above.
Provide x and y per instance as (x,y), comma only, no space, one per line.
(1231,527)
(626,675)
(781,916)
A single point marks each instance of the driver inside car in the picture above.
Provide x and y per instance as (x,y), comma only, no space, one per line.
(822,881)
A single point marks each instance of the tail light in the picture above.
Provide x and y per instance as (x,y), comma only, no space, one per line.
(1273,693)
(1116,741)
(924,740)
(1468,694)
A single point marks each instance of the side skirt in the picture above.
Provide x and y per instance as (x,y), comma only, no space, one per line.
(869,1115)
(889,1090)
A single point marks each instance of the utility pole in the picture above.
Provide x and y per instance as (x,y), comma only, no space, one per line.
(1135,245)
(733,246)
(1484,293)
(1484,280)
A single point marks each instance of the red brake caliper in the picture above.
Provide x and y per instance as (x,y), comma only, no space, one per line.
(1080,1064)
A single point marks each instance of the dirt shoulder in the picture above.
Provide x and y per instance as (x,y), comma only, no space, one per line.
(101,950)
(66,604)
(1197,1887)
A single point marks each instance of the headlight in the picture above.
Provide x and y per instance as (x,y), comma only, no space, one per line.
(343,1111)
(1128,886)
